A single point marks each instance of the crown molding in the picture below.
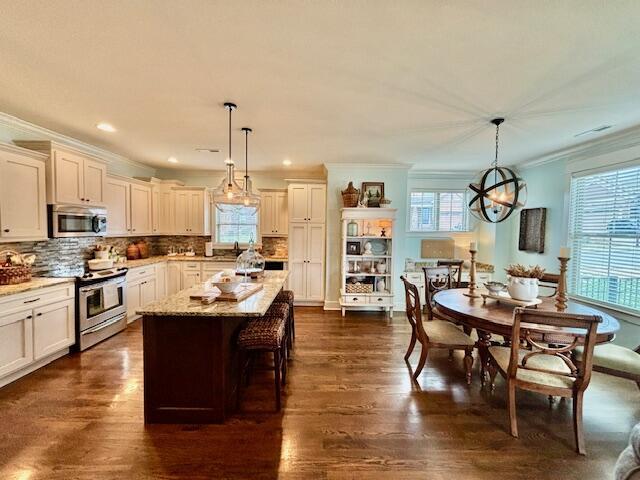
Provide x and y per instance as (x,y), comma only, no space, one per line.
(443,174)
(15,123)
(392,166)
(613,142)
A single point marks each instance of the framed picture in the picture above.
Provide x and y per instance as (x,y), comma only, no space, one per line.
(372,193)
(532,230)
(353,248)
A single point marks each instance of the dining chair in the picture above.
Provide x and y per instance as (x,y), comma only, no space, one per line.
(456,271)
(549,281)
(440,334)
(614,360)
(436,279)
(545,369)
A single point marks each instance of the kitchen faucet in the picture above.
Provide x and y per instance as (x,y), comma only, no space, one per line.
(236,249)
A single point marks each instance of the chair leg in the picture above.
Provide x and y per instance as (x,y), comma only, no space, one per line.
(423,359)
(276,369)
(577,423)
(468,363)
(511,400)
(493,373)
(451,355)
(412,343)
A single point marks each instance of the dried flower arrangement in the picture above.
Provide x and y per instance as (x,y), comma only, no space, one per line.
(518,270)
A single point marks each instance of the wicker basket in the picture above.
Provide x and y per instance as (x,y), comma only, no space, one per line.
(14,274)
(359,288)
(350,196)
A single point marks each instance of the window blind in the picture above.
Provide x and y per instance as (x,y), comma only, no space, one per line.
(605,237)
(237,226)
(437,211)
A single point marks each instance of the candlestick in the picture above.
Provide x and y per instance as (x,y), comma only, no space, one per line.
(565,252)
(561,295)
(473,246)
(472,273)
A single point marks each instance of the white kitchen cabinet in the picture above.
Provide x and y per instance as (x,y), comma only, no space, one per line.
(155,209)
(148,292)
(141,222)
(166,210)
(16,340)
(307,202)
(53,328)
(134,300)
(161,280)
(118,202)
(23,203)
(73,177)
(191,211)
(274,215)
(174,277)
(315,262)
(190,278)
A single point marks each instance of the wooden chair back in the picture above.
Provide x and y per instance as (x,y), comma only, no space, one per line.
(413,310)
(549,281)
(436,279)
(456,271)
(525,319)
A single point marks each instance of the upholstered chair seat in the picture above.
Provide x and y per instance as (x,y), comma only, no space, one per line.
(501,355)
(446,333)
(613,357)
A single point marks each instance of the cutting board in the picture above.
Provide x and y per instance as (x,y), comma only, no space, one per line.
(243,291)
(437,248)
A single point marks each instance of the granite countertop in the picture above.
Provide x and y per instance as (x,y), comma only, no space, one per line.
(183,258)
(256,305)
(34,284)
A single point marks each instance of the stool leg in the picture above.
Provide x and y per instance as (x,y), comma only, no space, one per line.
(276,365)
(241,367)
(293,322)
(284,366)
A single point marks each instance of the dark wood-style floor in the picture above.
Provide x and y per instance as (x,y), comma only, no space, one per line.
(350,412)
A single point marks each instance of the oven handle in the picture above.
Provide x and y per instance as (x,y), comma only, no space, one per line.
(98,286)
(103,325)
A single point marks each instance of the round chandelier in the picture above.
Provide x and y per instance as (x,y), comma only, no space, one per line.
(228,196)
(496,192)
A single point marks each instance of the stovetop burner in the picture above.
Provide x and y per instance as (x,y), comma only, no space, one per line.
(99,275)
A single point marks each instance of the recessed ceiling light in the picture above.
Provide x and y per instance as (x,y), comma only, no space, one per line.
(172,160)
(286,162)
(106,127)
(594,130)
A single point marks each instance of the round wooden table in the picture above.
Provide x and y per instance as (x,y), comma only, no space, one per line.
(492,317)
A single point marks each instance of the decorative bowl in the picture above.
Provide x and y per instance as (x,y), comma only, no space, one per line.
(495,287)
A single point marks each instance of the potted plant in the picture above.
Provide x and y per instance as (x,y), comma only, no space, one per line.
(523,281)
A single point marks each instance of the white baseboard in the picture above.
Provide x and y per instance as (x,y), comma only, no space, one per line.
(331,305)
(12,377)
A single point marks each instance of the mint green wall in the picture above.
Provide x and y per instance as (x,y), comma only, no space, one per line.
(395,189)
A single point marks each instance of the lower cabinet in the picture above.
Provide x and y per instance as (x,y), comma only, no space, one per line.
(174,277)
(53,328)
(134,300)
(142,287)
(190,278)
(16,341)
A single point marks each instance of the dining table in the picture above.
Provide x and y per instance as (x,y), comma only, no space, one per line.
(491,317)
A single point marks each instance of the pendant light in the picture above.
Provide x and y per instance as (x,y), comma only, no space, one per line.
(227,197)
(249,199)
(496,192)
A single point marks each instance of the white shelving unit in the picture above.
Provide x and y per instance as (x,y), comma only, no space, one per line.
(366,268)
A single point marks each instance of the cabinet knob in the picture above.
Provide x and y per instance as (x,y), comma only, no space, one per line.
(39,314)
(28,317)
(6,230)
(82,199)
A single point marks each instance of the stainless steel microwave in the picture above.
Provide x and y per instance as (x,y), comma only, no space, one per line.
(72,221)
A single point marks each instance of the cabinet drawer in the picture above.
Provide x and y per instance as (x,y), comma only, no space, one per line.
(190,266)
(381,299)
(36,298)
(356,298)
(140,272)
(415,278)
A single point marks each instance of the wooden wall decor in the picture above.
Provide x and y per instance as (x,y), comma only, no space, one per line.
(532,229)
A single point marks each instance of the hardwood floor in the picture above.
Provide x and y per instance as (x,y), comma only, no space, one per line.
(350,412)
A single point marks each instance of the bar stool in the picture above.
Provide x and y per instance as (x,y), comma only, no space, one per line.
(266,334)
(286,296)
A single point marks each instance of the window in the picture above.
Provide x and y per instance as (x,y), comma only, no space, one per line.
(438,211)
(239,226)
(605,236)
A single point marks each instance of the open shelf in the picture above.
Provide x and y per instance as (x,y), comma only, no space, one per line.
(367,257)
(364,274)
(368,237)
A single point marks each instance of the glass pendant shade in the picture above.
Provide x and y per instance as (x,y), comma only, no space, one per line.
(250,262)
(227,197)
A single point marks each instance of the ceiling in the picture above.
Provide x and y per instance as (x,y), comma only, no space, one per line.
(345,81)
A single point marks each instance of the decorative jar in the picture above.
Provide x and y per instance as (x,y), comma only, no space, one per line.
(250,262)
(525,289)
(352,228)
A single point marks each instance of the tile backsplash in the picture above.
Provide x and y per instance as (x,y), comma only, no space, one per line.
(64,257)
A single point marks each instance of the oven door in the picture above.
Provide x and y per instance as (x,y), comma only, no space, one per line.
(100,302)
(78,222)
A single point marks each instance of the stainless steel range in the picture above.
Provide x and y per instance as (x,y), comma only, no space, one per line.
(101,306)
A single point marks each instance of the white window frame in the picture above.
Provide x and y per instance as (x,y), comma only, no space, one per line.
(467,223)
(633,314)
(230,246)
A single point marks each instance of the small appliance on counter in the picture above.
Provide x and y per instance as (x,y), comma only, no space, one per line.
(208,249)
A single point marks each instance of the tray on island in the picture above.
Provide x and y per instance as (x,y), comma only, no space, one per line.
(505,298)
(243,291)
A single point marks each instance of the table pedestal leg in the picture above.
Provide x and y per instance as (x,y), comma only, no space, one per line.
(483,344)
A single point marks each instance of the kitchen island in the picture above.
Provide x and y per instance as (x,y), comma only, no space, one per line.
(190,354)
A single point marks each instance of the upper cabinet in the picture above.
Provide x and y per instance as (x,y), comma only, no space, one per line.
(129,207)
(23,205)
(191,211)
(307,202)
(274,216)
(73,177)
(141,218)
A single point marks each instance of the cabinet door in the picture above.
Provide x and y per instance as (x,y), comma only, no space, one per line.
(298,259)
(134,299)
(267,214)
(161,281)
(68,178)
(196,213)
(95,174)
(23,203)
(148,292)
(182,212)
(174,278)
(297,199)
(53,328)
(117,199)
(166,213)
(155,209)
(316,197)
(140,209)
(315,262)
(190,278)
(16,341)
(281,213)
